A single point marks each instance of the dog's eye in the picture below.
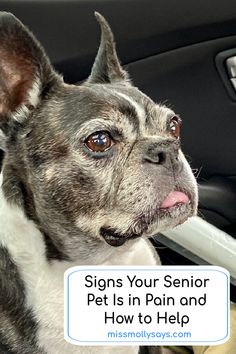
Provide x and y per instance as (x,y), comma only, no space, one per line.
(99,141)
(174,127)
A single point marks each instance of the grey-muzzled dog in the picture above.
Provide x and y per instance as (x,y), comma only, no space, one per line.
(89,173)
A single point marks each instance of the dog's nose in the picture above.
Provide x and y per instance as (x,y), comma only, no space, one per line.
(159,158)
(165,153)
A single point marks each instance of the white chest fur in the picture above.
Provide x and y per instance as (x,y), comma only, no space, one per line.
(44,281)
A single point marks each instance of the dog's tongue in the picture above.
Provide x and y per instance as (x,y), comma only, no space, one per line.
(174,198)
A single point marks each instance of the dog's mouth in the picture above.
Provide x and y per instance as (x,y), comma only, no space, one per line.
(175,198)
(113,238)
(176,203)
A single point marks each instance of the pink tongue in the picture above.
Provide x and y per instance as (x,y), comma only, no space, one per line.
(174,198)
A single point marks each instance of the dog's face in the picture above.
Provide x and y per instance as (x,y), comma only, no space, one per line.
(94,165)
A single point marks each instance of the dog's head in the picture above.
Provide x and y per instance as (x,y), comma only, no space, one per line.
(94,165)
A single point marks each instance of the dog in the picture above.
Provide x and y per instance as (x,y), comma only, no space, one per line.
(90,172)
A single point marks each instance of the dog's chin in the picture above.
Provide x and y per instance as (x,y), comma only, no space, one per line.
(148,224)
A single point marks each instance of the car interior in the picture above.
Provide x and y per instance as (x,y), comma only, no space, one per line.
(182,54)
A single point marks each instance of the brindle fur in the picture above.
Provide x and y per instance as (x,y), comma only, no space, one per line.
(70,193)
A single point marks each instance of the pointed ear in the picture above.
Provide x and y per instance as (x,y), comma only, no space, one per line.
(25,71)
(106,68)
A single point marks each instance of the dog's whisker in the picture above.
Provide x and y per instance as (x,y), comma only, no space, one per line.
(197,171)
(200,214)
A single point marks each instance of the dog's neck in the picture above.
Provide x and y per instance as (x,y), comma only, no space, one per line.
(17,209)
(18,193)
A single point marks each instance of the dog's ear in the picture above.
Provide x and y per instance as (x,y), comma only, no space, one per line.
(107,68)
(25,70)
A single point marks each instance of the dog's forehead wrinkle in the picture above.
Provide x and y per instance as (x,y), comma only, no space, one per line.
(138,108)
(151,116)
(79,108)
(156,119)
(109,95)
